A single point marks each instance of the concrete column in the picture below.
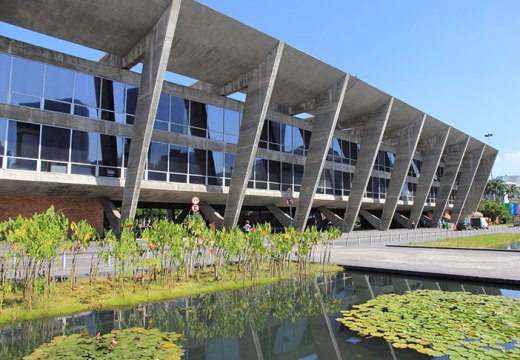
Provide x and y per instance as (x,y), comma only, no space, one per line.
(452,161)
(479,184)
(322,132)
(370,141)
(403,159)
(112,214)
(157,53)
(259,90)
(335,219)
(431,159)
(211,214)
(280,215)
(468,171)
(371,218)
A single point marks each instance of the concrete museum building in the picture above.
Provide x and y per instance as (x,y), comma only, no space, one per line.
(91,136)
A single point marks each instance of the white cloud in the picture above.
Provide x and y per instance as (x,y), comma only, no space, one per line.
(512,158)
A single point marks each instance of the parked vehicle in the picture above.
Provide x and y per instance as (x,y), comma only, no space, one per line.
(470,223)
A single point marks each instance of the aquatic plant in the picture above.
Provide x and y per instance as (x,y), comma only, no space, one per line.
(133,343)
(437,323)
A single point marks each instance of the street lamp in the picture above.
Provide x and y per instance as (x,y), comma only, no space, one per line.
(489,135)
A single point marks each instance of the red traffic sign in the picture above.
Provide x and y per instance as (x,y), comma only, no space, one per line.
(195,200)
(195,208)
(289,201)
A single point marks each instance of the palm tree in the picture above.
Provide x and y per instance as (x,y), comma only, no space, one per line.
(495,187)
(512,191)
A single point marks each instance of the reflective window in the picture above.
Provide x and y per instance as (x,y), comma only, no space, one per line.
(113,96)
(27,77)
(3,96)
(84,147)
(86,91)
(231,126)
(158,157)
(3,130)
(197,161)
(260,167)
(58,83)
(178,163)
(23,139)
(163,109)
(55,143)
(132,92)
(215,122)
(5,69)
(179,115)
(298,142)
(25,100)
(110,155)
(57,106)
(228,165)
(215,167)
(198,119)
(287,174)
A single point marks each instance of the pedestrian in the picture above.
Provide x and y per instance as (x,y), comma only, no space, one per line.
(413,224)
(247,227)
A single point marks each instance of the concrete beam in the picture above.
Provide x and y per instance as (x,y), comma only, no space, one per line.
(452,160)
(180,219)
(431,160)
(259,90)
(211,214)
(113,215)
(479,184)
(468,171)
(371,218)
(158,46)
(280,215)
(373,133)
(403,220)
(335,219)
(403,159)
(321,136)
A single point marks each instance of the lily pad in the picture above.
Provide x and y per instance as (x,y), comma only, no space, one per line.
(438,323)
(134,343)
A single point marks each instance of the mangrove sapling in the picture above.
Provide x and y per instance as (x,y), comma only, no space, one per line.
(82,235)
(123,250)
(105,245)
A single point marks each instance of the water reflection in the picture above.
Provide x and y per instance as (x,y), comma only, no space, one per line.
(289,320)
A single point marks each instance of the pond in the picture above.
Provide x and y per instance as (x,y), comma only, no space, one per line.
(287,320)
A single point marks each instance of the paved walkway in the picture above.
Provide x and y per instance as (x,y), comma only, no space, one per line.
(480,265)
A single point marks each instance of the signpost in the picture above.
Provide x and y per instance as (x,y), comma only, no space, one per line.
(289,201)
(195,204)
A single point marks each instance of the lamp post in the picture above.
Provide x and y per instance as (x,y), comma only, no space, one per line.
(489,135)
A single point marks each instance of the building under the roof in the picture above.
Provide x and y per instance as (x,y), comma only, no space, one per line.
(87,135)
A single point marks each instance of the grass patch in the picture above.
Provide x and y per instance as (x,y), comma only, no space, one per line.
(64,301)
(477,241)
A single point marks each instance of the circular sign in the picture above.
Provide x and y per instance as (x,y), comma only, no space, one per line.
(195,208)
(195,200)
(289,201)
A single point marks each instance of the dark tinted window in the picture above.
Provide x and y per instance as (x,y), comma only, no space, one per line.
(23,139)
(55,143)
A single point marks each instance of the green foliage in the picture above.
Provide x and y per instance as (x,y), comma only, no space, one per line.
(134,343)
(477,241)
(494,209)
(495,188)
(437,323)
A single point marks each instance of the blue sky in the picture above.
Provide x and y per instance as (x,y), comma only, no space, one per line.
(457,60)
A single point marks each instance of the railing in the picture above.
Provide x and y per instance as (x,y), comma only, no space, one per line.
(403,236)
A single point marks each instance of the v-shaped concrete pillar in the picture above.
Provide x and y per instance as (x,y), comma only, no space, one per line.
(452,160)
(322,132)
(259,89)
(157,44)
(479,184)
(468,171)
(431,159)
(403,159)
(371,138)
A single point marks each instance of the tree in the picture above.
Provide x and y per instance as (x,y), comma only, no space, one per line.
(494,209)
(495,187)
(512,191)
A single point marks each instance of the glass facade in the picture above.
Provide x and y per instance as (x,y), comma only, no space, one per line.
(33,147)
